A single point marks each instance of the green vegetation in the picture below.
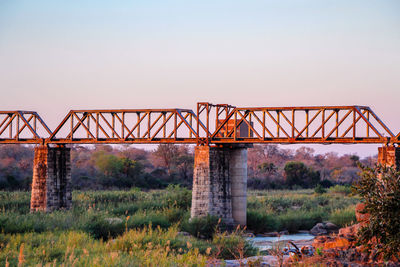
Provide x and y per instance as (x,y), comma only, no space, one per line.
(295,210)
(319,189)
(126,226)
(297,173)
(379,188)
(105,167)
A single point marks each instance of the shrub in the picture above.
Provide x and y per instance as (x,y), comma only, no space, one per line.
(178,197)
(380,189)
(294,221)
(203,227)
(102,227)
(326,183)
(153,218)
(261,222)
(233,246)
(340,189)
(175,215)
(343,217)
(319,189)
(297,173)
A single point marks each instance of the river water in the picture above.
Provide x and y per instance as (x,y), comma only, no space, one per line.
(265,243)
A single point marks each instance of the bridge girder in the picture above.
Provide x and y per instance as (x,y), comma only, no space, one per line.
(211,124)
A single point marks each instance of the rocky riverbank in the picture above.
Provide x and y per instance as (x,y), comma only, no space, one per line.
(330,247)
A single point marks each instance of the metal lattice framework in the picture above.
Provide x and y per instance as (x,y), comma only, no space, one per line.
(328,125)
(212,124)
(126,126)
(22,127)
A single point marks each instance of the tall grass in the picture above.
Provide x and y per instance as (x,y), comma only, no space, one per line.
(117,226)
(298,209)
(140,247)
(343,217)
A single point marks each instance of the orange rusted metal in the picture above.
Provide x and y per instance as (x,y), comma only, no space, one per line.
(325,124)
(19,126)
(126,126)
(233,125)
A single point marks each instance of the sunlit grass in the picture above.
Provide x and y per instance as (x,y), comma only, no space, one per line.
(139,228)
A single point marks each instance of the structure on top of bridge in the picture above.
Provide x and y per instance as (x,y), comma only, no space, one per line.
(233,125)
(221,132)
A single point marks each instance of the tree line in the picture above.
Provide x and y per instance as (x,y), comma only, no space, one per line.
(122,167)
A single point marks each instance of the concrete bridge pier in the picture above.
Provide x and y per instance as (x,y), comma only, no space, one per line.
(389,156)
(220,183)
(51,182)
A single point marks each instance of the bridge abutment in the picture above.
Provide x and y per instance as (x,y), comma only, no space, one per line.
(389,156)
(51,182)
(220,183)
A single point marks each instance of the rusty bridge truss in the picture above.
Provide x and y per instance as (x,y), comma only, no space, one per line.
(210,124)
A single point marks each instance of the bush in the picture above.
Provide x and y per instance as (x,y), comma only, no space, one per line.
(380,189)
(319,189)
(178,197)
(343,217)
(326,183)
(233,246)
(261,222)
(203,227)
(143,219)
(104,228)
(298,174)
(294,221)
(340,189)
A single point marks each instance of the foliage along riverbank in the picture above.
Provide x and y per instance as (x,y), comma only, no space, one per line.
(126,226)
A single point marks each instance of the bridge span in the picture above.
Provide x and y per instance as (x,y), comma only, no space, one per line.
(222,133)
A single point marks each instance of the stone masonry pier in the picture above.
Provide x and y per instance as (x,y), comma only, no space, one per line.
(51,182)
(220,183)
(389,156)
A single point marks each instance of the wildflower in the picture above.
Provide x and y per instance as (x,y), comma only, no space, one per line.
(113,255)
(21,257)
(208,251)
(188,244)
(85,252)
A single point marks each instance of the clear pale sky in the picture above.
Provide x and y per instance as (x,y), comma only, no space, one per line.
(62,55)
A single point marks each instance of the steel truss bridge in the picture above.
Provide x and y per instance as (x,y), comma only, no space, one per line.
(210,124)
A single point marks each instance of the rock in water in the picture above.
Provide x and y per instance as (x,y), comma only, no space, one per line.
(324,228)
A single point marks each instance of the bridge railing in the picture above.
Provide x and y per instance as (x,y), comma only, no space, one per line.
(333,124)
(127,126)
(22,127)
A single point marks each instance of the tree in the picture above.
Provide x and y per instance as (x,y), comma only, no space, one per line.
(297,173)
(355,159)
(267,168)
(184,164)
(304,153)
(380,189)
(167,153)
(108,164)
(116,170)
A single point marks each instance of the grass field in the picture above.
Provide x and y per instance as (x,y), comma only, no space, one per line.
(142,228)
